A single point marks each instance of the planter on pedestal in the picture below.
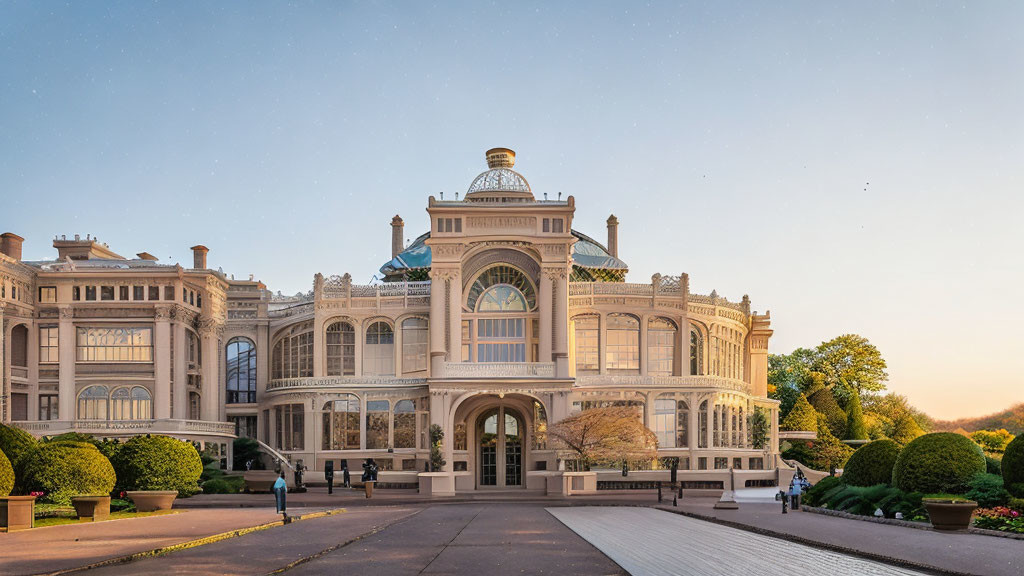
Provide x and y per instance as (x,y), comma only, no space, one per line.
(150,500)
(17,512)
(946,514)
(93,507)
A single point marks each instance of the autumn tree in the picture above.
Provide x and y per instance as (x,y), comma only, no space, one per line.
(802,417)
(905,429)
(602,434)
(992,440)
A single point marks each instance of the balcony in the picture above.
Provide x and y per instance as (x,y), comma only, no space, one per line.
(499,369)
(636,381)
(128,427)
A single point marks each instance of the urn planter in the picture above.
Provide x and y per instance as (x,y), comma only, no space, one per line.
(150,500)
(94,507)
(17,512)
(946,514)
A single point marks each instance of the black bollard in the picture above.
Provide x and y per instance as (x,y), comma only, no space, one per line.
(674,501)
(329,475)
(659,492)
(784,502)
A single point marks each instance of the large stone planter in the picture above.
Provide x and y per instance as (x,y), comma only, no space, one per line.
(92,507)
(150,500)
(950,514)
(17,512)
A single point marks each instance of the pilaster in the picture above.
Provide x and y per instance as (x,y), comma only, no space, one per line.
(66,357)
(162,363)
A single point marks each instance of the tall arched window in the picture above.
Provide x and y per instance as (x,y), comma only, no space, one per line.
(696,351)
(241,371)
(92,403)
(661,346)
(19,345)
(588,344)
(623,351)
(517,287)
(414,345)
(133,403)
(665,420)
(377,424)
(293,353)
(379,352)
(194,406)
(498,302)
(341,349)
(702,425)
(405,424)
(341,423)
(682,424)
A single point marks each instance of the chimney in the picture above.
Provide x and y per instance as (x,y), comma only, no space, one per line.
(397,235)
(199,256)
(10,244)
(613,236)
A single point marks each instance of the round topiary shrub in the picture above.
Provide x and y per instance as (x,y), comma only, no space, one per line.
(158,463)
(942,462)
(64,469)
(6,475)
(15,443)
(871,464)
(1013,467)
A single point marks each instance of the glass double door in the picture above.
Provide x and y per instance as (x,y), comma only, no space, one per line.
(500,433)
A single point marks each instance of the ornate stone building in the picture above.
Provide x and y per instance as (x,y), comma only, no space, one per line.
(499,320)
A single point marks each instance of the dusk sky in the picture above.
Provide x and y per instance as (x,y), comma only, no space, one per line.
(853,167)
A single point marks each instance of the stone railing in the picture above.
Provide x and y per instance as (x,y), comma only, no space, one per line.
(118,427)
(499,369)
(635,381)
(345,382)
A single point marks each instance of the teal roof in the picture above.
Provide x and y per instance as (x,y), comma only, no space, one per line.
(586,253)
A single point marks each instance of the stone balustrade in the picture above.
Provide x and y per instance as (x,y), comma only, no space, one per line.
(499,370)
(345,382)
(117,427)
(636,381)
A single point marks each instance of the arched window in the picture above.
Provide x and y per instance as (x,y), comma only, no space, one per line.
(377,424)
(293,353)
(19,345)
(623,351)
(661,346)
(241,371)
(540,427)
(517,290)
(665,420)
(501,298)
(414,345)
(194,350)
(696,351)
(588,344)
(405,424)
(92,403)
(194,406)
(341,349)
(133,403)
(379,353)
(702,425)
(341,423)
(682,424)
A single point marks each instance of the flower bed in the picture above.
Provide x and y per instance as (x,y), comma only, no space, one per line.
(999,518)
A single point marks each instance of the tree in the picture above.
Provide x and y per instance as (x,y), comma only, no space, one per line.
(906,429)
(992,441)
(786,375)
(436,454)
(855,428)
(889,408)
(802,417)
(851,365)
(612,433)
(829,452)
(760,428)
(825,403)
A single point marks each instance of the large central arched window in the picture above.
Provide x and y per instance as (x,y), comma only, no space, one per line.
(241,371)
(516,291)
(499,302)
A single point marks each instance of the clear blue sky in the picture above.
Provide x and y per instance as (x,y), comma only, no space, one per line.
(854,167)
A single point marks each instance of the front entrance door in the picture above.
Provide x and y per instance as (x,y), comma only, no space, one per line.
(501,448)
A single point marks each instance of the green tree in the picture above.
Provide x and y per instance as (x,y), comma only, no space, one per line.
(825,403)
(906,430)
(802,417)
(889,408)
(437,461)
(760,427)
(855,428)
(851,365)
(828,451)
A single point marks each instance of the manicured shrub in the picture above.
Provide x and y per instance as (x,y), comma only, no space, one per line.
(217,486)
(6,475)
(825,402)
(855,427)
(814,494)
(871,464)
(802,417)
(158,463)
(864,500)
(16,444)
(1016,503)
(64,469)
(906,429)
(1013,467)
(987,490)
(942,462)
(993,465)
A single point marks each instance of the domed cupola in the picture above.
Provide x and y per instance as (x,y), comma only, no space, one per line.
(500,183)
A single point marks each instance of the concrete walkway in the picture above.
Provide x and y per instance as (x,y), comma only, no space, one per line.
(654,543)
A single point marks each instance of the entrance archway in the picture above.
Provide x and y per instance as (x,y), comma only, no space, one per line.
(501,433)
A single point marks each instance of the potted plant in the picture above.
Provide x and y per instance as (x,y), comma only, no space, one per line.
(95,507)
(950,513)
(154,470)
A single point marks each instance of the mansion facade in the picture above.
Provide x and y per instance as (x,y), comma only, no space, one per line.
(498,321)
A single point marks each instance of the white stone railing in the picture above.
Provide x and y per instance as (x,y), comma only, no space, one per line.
(345,382)
(115,427)
(340,287)
(635,381)
(499,369)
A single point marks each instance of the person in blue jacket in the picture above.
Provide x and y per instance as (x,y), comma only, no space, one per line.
(280,490)
(795,490)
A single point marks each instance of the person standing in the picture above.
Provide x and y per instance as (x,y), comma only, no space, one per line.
(795,489)
(280,490)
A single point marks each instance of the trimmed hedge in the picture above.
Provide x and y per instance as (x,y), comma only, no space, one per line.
(855,428)
(6,475)
(871,464)
(158,463)
(825,402)
(64,469)
(15,443)
(943,462)
(1013,467)
(801,417)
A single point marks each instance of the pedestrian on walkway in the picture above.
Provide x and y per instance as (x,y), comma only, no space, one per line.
(795,490)
(280,490)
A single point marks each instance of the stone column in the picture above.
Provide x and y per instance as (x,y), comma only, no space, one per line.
(455,316)
(642,343)
(179,409)
(3,367)
(33,371)
(66,357)
(359,326)
(362,422)
(545,304)
(162,363)
(263,354)
(210,399)
(692,424)
(437,323)
(561,322)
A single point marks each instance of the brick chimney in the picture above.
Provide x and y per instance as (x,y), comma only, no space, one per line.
(613,236)
(397,235)
(10,244)
(199,256)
